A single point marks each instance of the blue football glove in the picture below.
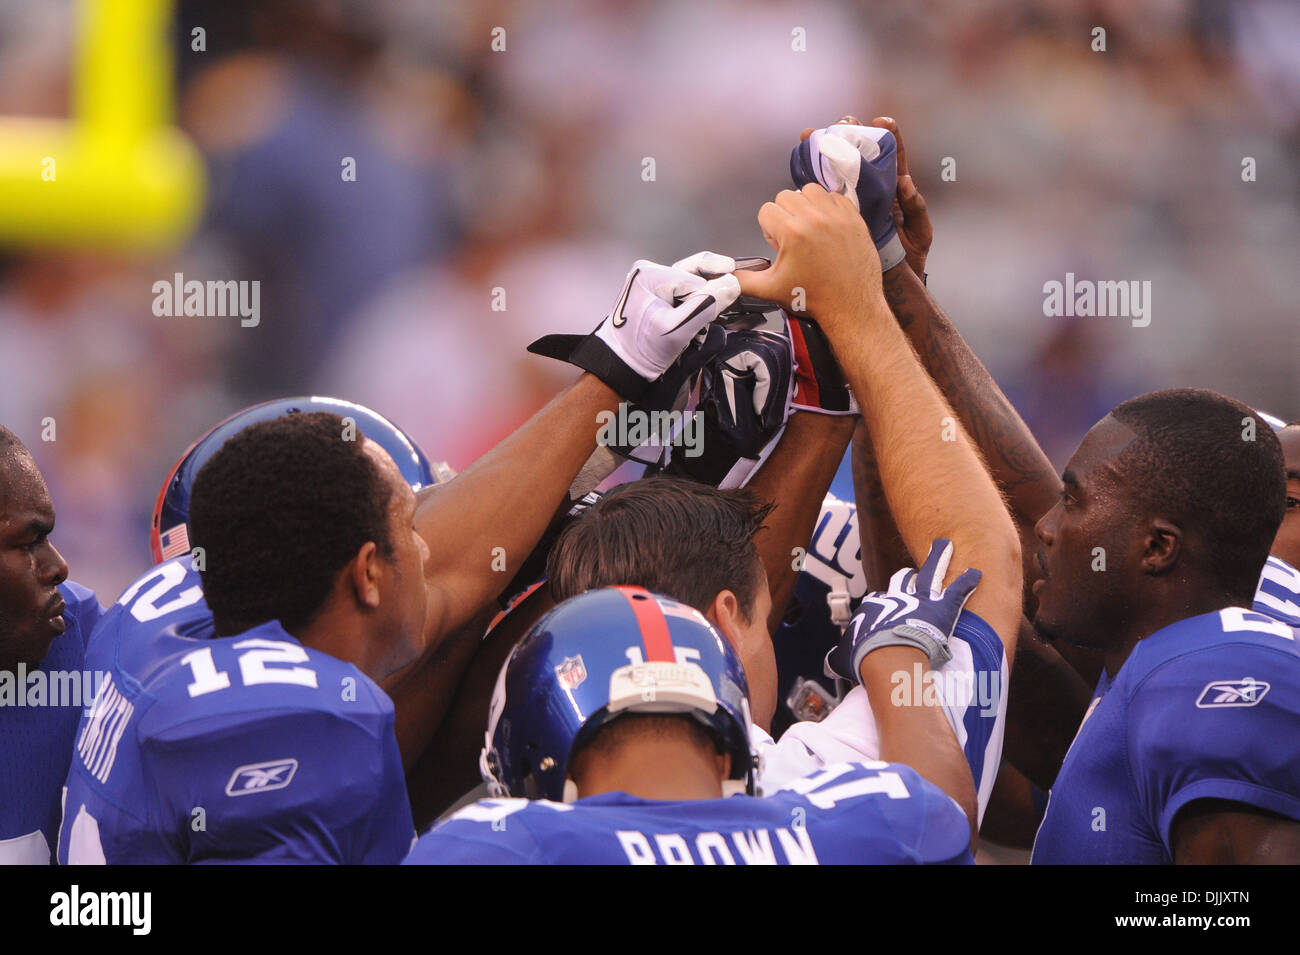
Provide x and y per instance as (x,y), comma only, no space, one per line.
(916,611)
(860,162)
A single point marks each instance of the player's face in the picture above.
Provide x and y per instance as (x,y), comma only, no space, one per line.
(405,593)
(1287,543)
(1087,541)
(759,659)
(31,608)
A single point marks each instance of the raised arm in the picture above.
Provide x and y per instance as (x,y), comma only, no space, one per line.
(934,479)
(487,520)
(796,477)
(883,551)
(1017,462)
(1021,469)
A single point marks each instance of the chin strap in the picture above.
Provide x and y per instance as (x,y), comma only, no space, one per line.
(838,599)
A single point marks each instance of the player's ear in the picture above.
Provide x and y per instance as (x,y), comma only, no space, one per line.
(724,611)
(1161,547)
(363,574)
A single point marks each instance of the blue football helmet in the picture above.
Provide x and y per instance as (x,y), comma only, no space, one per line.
(169,535)
(594,658)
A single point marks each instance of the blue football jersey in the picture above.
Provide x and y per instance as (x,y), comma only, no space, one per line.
(241,749)
(1278,594)
(1206,708)
(39,712)
(848,814)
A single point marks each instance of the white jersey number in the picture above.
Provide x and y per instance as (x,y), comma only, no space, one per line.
(166,578)
(255,666)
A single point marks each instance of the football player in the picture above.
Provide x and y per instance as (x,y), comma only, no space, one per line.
(1187,751)
(625,714)
(45,620)
(428,681)
(1049,697)
(320,583)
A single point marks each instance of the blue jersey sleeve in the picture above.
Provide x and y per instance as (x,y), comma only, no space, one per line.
(482,834)
(288,786)
(977,705)
(1216,723)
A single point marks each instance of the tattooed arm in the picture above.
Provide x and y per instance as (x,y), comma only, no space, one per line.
(883,551)
(1021,469)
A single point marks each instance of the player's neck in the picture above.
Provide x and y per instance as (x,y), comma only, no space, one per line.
(1162,607)
(328,634)
(654,768)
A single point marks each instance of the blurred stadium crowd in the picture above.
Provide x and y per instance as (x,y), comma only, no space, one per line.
(522,170)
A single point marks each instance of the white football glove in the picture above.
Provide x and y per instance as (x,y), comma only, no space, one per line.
(660,310)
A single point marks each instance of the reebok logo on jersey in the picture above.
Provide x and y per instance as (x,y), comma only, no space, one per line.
(261,777)
(1244,692)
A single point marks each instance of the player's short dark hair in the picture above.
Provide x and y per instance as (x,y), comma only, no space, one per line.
(670,535)
(1198,462)
(279,510)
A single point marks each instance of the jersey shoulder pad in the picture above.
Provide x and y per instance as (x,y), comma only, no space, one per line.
(929,826)
(490,831)
(1215,721)
(263,673)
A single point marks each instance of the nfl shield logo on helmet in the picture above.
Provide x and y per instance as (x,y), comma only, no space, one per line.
(571,672)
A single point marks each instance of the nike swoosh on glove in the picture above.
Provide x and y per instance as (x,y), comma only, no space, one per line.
(645,332)
(915,611)
(860,162)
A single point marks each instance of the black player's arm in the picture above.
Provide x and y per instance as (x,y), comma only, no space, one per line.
(1220,832)
(422,692)
(1045,705)
(1012,816)
(482,524)
(448,767)
(795,477)
(1047,696)
(883,550)
(1017,462)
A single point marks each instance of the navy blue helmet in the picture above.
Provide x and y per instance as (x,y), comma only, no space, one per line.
(599,656)
(169,536)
